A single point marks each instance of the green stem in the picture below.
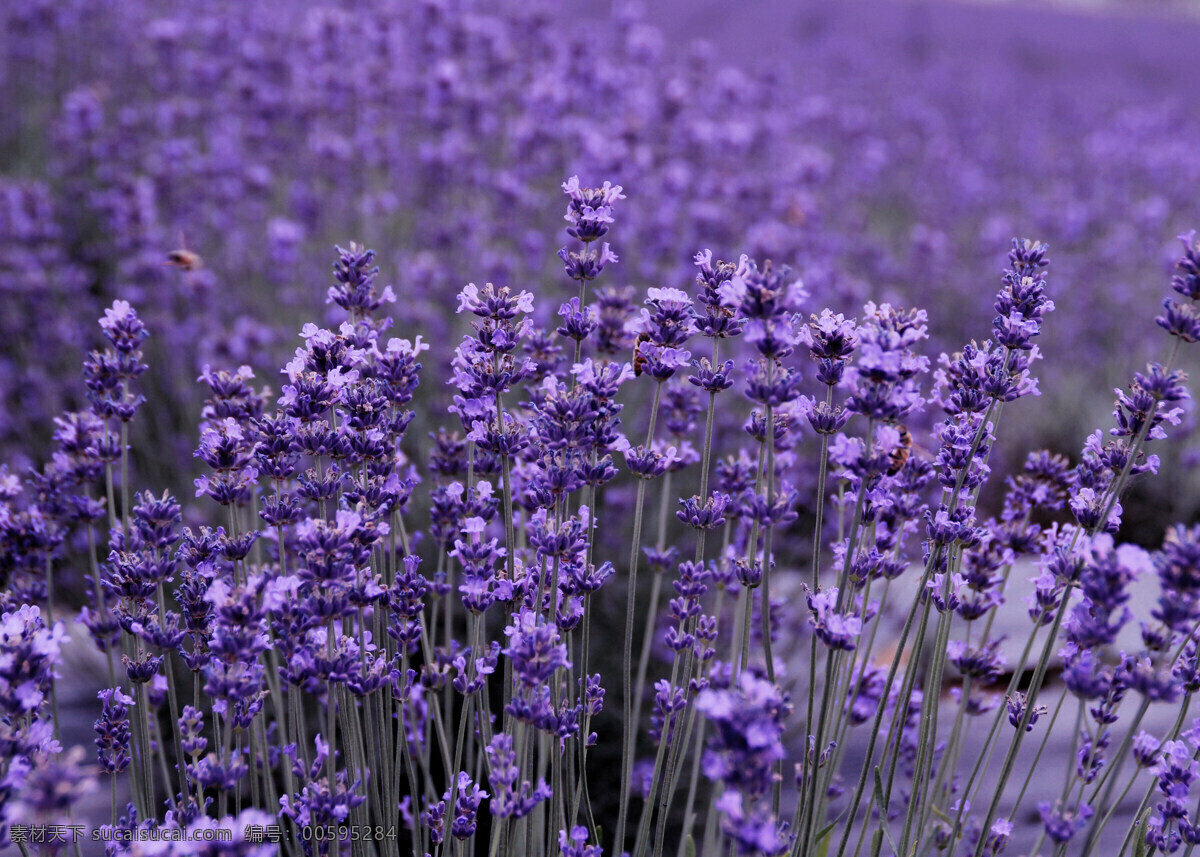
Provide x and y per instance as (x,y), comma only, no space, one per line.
(655,595)
(630,604)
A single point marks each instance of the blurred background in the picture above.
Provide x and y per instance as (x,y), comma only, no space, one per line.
(886,151)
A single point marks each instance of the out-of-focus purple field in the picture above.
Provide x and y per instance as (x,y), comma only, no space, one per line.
(886,151)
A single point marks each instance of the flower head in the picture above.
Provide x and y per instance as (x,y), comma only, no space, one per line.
(589,209)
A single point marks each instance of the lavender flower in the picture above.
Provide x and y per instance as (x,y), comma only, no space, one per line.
(590,209)
(717,316)
(708,516)
(1178,569)
(32,653)
(754,832)
(466,806)
(831,340)
(882,379)
(837,630)
(574,844)
(354,283)
(112,731)
(1103,581)
(1061,824)
(534,648)
(510,799)
(748,720)
(1182,320)
(1174,774)
(1019,708)
(49,788)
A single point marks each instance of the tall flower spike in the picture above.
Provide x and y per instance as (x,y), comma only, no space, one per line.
(107,373)
(717,313)
(883,378)
(112,731)
(589,213)
(1183,320)
(589,209)
(354,283)
(768,299)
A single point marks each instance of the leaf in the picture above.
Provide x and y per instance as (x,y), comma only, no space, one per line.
(1140,846)
(879,799)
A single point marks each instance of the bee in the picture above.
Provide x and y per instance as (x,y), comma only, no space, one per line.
(183,258)
(639,362)
(899,456)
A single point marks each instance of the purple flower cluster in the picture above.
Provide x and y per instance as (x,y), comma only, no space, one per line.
(749,721)
(354,664)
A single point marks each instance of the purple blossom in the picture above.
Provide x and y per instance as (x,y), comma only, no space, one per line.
(883,378)
(867,688)
(1187,281)
(191,727)
(768,299)
(466,806)
(510,798)
(48,788)
(1145,749)
(535,648)
(1083,673)
(754,832)
(830,337)
(1183,320)
(825,419)
(668,702)
(354,283)
(661,362)
(717,316)
(112,730)
(667,318)
(316,804)
(998,836)
(574,844)
(578,324)
(1178,567)
(1156,682)
(1019,708)
(614,309)
(589,210)
(983,662)
(108,373)
(123,328)
(31,654)
(1104,579)
(944,591)
(1174,773)
(497,303)
(650,463)
(706,515)
(589,263)
(748,720)
(1061,823)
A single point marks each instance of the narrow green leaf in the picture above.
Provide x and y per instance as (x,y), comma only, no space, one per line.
(879,798)
(1140,848)
(824,831)
(876,842)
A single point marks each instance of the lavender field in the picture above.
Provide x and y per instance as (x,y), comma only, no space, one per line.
(755,429)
